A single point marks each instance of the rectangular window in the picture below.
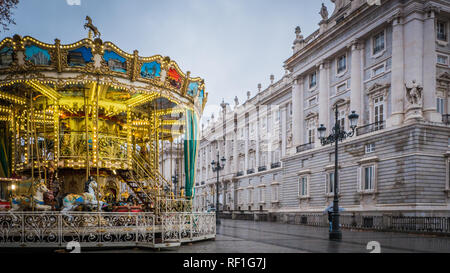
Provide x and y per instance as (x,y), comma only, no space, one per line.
(378,70)
(440,105)
(290,108)
(441,29)
(341,88)
(341,64)
(369,178)
(250,196)
(313,80)
(330,183)
(303,186)
(262,194)
(312,101)
(341,119)
(370,148)
(275,193)
(379,113)
(442,59)
(311,135)
(378,43)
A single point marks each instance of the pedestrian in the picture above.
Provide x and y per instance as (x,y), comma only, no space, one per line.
(330,219)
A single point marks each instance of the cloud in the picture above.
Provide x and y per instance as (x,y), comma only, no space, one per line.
(73,2)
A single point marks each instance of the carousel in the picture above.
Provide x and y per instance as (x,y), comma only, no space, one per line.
(83,127)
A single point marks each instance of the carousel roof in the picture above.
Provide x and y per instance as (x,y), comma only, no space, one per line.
(50,68)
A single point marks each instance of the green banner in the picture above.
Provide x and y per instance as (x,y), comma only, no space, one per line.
(190,151)
(5,152)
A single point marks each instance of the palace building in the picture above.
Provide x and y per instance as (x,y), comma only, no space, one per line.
(390,64)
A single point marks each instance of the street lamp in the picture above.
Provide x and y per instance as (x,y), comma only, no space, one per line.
(217,166)
(175,182)
(339,134)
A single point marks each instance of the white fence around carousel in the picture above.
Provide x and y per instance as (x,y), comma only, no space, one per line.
(102,229)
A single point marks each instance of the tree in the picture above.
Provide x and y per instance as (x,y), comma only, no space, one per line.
(6,18)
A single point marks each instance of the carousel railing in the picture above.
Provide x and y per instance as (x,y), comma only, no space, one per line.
(103,229)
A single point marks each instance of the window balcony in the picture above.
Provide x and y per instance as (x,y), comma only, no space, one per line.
(251,171)
(305,147)
(263,168)
(366,129)
(275,165)
(446,119)
(241,173)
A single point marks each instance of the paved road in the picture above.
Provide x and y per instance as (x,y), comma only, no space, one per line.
(265,237)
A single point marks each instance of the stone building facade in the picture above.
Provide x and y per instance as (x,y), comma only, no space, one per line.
(390,64)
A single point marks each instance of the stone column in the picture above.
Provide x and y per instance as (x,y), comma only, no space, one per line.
(246,137)
(324,106)
(398,74)
(413,45)
(235,152)
(257,162)
(297,112)
(429,66)
(283,132)
(355,80)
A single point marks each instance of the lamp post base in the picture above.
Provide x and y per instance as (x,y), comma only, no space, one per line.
(335,235)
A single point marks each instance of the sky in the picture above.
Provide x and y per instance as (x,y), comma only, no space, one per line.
(232,44)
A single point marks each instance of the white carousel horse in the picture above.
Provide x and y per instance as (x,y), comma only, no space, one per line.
(88,198)
(23,202)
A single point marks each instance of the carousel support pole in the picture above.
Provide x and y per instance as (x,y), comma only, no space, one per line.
(36,140)
(86,116)
(45,143)
(14,141)
(96,143)
(56,132)
(30,135)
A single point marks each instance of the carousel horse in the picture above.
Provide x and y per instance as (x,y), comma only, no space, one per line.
(19,203)
(86,199)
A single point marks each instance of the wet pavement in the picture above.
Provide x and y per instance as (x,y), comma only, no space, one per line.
(265,237)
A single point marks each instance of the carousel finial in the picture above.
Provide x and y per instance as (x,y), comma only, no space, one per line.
(92,28)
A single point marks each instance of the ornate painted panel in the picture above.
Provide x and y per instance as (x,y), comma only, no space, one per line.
(115,61)
(151,70)
(6,56)
(193,89)
(79,57)
(174,78)
(37,55)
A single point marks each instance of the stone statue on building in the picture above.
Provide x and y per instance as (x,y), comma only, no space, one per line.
(414,93)
(324,12)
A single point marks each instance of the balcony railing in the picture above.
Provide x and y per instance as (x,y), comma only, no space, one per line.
(305,147)
(366,129)
(251,171)
(263,168)
(446,119)
(275,165)
(241,173)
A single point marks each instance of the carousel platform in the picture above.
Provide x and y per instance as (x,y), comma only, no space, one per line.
(103,229)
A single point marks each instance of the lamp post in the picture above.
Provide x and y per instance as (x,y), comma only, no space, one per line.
(217,167)
(339,134)
(175,182)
